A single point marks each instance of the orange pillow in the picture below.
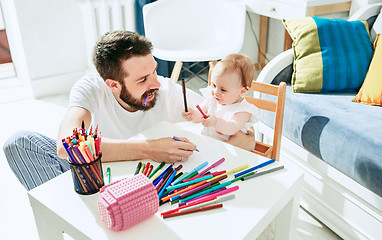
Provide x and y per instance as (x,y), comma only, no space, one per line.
(371,90)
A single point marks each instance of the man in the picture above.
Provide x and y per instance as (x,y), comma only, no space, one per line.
(113,100)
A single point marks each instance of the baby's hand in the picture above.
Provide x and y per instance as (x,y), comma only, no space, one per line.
(187,115)
(210,121)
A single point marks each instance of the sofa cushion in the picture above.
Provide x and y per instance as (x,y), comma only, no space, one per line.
(371,90)
(329,55)
(344,134)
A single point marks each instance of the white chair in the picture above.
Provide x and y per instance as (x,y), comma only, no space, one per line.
(194,30)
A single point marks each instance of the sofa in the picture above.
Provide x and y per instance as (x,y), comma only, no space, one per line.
(338,145)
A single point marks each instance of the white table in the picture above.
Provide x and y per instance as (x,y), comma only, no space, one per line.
(57,208)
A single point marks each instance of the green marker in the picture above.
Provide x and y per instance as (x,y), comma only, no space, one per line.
(156,169)
(108,175)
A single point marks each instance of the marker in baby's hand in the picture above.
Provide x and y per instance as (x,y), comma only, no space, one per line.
(201,111)
(177,139)
(145,101)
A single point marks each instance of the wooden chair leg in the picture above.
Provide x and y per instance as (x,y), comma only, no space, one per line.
(176,71)
(211,64)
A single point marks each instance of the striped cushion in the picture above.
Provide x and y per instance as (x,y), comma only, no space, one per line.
(329,55)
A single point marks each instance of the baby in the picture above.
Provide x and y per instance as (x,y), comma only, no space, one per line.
(227,111)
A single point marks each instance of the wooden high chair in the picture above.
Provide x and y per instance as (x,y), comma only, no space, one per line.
(270,151)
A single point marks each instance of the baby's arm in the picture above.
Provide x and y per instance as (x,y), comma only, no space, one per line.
(229,127)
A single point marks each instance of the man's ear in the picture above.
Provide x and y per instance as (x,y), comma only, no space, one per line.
(243,91)
(113,84)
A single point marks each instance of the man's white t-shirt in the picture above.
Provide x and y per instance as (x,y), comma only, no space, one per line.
(91,93)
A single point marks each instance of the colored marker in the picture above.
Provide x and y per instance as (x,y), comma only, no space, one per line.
(145,101)
(210,167)
(146,169)
(206,191)
(177,139)
(238,169)
(202,209)
(184,95)
(255,167)
(189,182)
(193,171)
(201,111)
(138,168)
(108,175)
(167,183)
(263,173)
(155,175)
(156,169)
(217,200)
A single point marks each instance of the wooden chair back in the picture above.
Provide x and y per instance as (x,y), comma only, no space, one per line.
(270,151)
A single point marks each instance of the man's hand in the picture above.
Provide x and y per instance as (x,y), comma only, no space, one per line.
(168,150)
(242,140)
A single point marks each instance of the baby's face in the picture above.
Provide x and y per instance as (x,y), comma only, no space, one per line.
(227,88)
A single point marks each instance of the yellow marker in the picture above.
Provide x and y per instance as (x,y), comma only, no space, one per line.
(238,169)
(156,175)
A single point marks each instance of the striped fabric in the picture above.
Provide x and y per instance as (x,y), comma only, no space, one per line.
(33,158)
(329,54)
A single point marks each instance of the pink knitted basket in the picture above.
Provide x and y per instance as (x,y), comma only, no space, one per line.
(127,202)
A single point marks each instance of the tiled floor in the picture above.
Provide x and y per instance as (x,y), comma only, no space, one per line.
(20,111)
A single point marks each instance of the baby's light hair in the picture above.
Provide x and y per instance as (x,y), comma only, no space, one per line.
(240,64)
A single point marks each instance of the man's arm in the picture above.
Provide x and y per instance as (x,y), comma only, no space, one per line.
(160,150)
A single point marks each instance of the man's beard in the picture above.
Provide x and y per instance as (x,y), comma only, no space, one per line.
(127,97)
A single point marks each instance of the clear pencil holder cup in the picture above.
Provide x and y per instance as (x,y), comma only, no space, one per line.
(87,177)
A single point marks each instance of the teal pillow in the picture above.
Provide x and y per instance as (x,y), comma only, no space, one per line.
(329,54)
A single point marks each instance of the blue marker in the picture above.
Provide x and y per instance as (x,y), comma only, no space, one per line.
(167,183)
(255,167)
(188,174)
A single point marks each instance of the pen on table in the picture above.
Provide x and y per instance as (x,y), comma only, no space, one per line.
(150,170)
(155,175)
(184,95)
(156,169)
(156,180)
(177,139)
(108,175)
(232,171)
(205,191)
(146,169)
(138,168)
(202,209)
(210,167)
(215,201)
(201,111)
(170,179)
(263,172)
(255,167)
(189,205)
(193,171)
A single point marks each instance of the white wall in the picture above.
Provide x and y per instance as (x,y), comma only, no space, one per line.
(47,43)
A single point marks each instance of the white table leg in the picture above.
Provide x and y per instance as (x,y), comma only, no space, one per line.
(286,221)
(50,225)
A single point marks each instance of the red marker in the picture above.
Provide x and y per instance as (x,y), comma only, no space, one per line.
(201,111)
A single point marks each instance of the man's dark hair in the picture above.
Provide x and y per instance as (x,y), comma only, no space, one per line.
(115,47)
